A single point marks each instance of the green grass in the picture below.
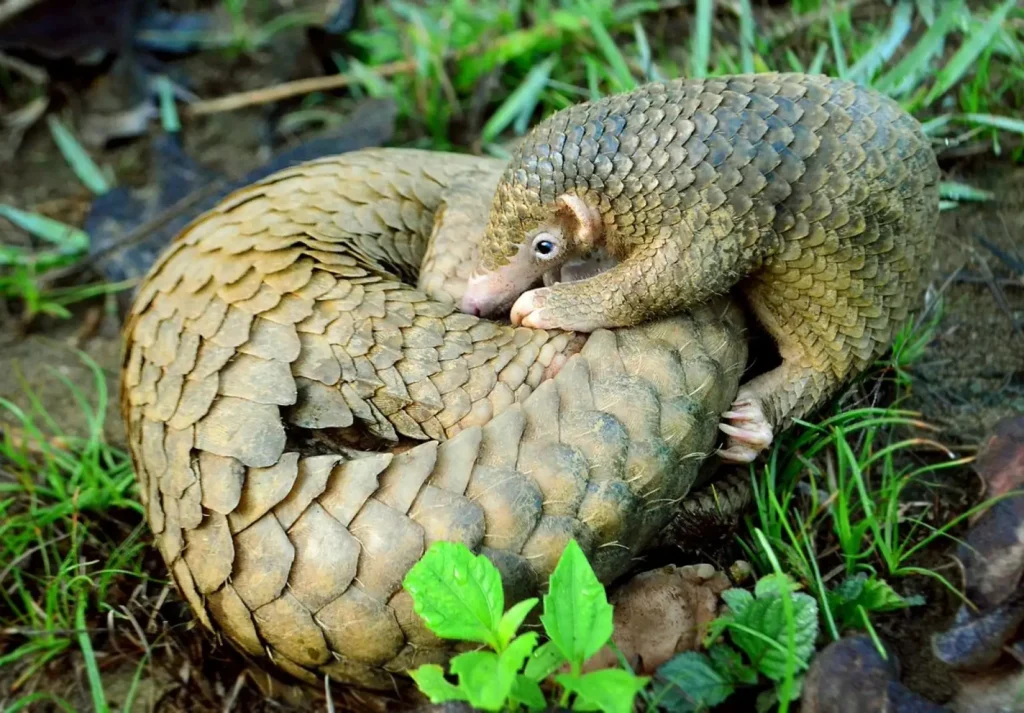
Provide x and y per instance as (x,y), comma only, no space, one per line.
(70,529)
(832,499)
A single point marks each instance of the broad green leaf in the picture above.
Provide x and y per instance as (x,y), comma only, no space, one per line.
(458,594)
(544,661)
(487,677)
(693,684)
(969,51)
(768,646)
(861,593)
(480,679)
(527,692)
(728,662)
(513,619)
(611,690)
(737,599)
(772,584)
(430,680)
(577,615)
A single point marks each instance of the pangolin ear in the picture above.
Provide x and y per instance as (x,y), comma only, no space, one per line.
(584,221)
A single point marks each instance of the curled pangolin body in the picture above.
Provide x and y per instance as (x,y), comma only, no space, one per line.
(305,422)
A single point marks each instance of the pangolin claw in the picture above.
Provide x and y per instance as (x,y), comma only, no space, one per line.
(749,433)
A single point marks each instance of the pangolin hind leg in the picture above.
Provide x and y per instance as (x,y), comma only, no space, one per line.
(812,369)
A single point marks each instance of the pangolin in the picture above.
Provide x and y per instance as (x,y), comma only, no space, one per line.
(812,197)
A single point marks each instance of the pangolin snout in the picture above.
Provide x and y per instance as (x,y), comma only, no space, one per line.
(488,296)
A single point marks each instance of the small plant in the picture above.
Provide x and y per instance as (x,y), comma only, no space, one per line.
(859,595)
(772,632)
(460,597)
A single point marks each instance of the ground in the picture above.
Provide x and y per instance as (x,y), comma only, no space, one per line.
(968,377)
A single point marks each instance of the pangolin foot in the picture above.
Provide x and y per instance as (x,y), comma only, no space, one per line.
(528,310)
(748,430)
(533,309)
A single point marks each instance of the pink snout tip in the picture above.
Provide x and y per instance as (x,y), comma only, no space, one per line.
(471,305)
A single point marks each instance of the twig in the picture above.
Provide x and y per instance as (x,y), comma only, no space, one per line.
(971,279)
(286,90)
(10,8)
(137,233)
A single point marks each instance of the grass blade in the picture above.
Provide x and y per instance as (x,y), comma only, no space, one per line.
(746,36)
(92,669)
(882,51)
(700,40)
(80,161)
(997,122)
(965,57)
(902,78)
(168,110)
(520,102)
(956,191)
(67,237)
(612,54)
(819,59)
(837,46)
(644,48)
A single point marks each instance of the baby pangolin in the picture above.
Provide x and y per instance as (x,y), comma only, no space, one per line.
(815,198)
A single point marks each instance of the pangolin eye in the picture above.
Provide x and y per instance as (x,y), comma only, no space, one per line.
(544,247)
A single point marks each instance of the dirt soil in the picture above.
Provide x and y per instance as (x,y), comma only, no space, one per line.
(971,376)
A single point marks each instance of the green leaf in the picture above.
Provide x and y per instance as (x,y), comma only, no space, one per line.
(458,594)
(611,690)
(544,661)
(862,593)
(772,584)
(513,619)
(761,631)
(430,680)
(487,677)
(737,599)
(527,691)
(728,662)
(577,615)
(694,684)
(479,677)
(969,51)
